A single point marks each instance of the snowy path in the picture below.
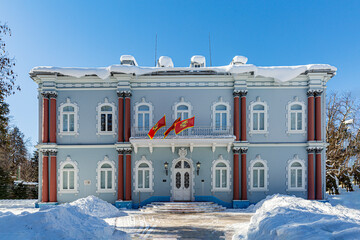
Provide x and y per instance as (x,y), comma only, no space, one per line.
(220,225)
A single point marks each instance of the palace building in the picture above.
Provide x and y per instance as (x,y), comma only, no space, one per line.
(258,131)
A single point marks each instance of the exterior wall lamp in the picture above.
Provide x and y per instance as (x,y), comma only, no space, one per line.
(166,164)
(198,167)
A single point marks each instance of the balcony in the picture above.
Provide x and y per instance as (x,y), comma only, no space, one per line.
(194,133)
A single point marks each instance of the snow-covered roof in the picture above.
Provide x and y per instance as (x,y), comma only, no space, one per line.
(279,73)
(165,61)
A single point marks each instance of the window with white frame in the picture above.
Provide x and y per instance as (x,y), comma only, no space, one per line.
(106,176)
(296,175)
(68,118)
(296,117)
(258,117)
(106,118)
(143,116)
(68,176)
(258,175)
(143,175)
(221,175)
(221,116)
(182,111)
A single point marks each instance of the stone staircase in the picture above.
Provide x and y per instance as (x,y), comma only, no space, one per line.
(182,207)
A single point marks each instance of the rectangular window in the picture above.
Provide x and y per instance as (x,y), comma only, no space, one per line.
(103,121)
(299,178)
(262,121)
(140,121)
(255,121)
(65,180)
(293,119)
(140,179)
(102,179)
(71,122)
(109,122)
(262,178)
(217,121)
(223,178)
(147,179)
(147,121)
(255,179)
(217,178)
(71,179)
(65,122)
(293,178)
(299,121)
(109,179)
(186,115)
(224,121)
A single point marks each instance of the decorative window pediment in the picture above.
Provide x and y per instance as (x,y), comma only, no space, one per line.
(143,116)
(296,117)
(296,174)
(68,180)
(182,109)
(68,120)
(258,117)
(221,115)
(258,174)
(220,175)
(106,176)
(106,118)
(144,173)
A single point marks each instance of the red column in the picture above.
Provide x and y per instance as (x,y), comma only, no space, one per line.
(318,116)
(53,181)
(310,116)
(53,118)
(45,178)
(127,116)
(121,118)
(120,175)
(236,116)
(236,175)
(45,119)
(311,192)
(243,115)
(318,175)
(243,175)
(128,176)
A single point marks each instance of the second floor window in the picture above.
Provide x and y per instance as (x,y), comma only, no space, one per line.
(296,117)
(221,117)
(183,112)
(258,117)
(143,118)
(68,118)
(106,118)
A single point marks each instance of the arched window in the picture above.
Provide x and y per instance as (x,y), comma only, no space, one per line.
(143,175)
(68,176)
(221,175)
(258,118)
(296,175)
(106,118)
(143,115)
(68,118)
(258,175)
(221,116)
(296,117)
(182,111)
(106,176)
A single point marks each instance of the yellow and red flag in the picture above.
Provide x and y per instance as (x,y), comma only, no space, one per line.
(161,123)
(171,128)
(184,124)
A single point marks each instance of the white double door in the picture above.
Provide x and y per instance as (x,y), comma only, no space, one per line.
(182,181)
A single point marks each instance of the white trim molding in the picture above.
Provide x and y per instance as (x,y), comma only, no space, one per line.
(266,116)
(98,176)
(213,175)
(296,159)
(182,102)
(61,171)
(214,111)
(151,175)
(266,174)
(136,114)
(61,131)
(98,118)
(303,117)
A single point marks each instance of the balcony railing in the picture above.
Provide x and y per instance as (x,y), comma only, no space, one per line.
(195,132)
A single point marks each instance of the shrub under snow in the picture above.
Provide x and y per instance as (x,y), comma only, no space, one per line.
(286,217)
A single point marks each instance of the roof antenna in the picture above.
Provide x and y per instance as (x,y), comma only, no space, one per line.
(210,50)
(155,48)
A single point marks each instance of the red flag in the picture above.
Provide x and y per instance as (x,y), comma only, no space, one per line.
(171,128)
(184,124)
(161,123)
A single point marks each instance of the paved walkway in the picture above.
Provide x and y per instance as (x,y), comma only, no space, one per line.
(219,225)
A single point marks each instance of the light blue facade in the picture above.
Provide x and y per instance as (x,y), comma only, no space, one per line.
(201,89)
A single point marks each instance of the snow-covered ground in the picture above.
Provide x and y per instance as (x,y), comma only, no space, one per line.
(287,217)
(276,217)
(82,219)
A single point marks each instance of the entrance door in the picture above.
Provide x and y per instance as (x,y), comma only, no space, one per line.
(182,181)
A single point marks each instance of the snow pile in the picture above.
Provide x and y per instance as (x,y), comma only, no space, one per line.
(96,207)
(165,61)
(18,203)
(280,73)
(285,217)
(347,199)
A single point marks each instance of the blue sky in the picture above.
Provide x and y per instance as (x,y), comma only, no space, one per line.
(96,33)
